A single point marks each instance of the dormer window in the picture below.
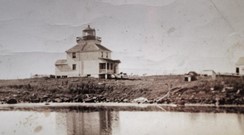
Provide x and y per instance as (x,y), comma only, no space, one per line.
(73,55)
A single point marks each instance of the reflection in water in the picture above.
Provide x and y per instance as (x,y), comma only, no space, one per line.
(87,123)
(120,123)
(156,123)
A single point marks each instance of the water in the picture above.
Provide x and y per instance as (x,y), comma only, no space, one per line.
(46,122)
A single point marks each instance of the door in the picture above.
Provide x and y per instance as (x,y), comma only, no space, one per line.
(237,70)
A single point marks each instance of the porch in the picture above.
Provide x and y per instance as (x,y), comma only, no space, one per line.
(108,67)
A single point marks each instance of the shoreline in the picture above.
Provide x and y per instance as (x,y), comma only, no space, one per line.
(53,104)
(91,107)
(161,90)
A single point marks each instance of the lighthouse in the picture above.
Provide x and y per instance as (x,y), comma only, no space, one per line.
(87,58)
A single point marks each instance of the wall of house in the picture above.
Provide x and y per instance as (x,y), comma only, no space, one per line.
(86,63)
(76,72)
(80,62)
(241,69)
(104,54)
(83,56)
(61,70)
(91,67)
(89,56)
(70,62)
(64,71)
(116,67)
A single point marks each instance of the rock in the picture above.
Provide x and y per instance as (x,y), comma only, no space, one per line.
(45,96)
(58,100)
(100,83)
(160,101)
(229,88)
(35,100)
(101,98)
(66,99)
(140,100)
(202,92)
(12,101)
(87,96)
(150,101)
(238,92)
(90,100)
(223,90)
(78,98)
(181,102)
(125,100)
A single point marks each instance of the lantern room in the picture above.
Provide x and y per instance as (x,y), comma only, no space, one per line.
(89,33)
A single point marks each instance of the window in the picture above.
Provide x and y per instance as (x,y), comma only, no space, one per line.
(108,65)
(102,65)
(74,67)
(73,55)
(101,54)
(237,70)
(106,54)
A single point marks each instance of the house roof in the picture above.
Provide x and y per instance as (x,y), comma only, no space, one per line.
(240,62)
(82,48)
(61,62)
(110,60)
(192,73)
(76,48)
(101,47)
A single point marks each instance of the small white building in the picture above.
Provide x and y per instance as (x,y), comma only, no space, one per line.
(87,58)
(240,66)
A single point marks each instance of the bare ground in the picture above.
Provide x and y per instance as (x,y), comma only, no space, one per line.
(160,89)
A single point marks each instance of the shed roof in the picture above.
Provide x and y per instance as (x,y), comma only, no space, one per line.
(110,60)
(240,61)
(61,62)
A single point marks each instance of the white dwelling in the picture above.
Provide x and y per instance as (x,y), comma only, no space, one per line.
(240,66)
(87,58)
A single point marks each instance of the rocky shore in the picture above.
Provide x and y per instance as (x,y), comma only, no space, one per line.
(151,89)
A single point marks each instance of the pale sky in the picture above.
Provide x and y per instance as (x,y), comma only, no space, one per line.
(148,36)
